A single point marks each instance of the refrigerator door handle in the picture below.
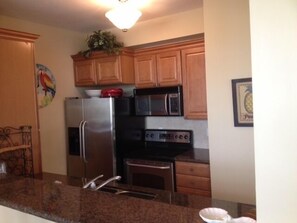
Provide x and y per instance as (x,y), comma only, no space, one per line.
(80,139)
(83,141)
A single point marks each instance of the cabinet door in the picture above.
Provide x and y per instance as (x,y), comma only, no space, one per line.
(84,73)
(145,71)
(194,83)
(18,94)
(169,68)
(107,70)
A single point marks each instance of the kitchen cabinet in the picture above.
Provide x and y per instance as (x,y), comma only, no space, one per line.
(157,67)
(84,73)
(103,69)
(193,178)
(180,63)
(18,86)
(194,81)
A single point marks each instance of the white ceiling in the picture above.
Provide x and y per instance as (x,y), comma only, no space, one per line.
(87,15)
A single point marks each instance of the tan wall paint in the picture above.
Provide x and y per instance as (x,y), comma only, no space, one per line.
(168,27)
(53,49)
(228,56)
(274,59)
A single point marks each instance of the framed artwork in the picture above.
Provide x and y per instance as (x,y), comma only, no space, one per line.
(242,93)
(46,85)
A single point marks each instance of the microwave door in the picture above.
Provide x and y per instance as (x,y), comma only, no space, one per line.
(158,104)
(142,105)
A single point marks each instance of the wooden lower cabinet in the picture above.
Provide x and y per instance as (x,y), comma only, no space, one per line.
(193,178)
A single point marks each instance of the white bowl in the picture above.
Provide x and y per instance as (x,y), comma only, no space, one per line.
(93,93)
(214,215)
(242,220)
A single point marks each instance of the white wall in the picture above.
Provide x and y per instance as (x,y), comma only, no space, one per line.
(274,59)
(227,37)
(53,49)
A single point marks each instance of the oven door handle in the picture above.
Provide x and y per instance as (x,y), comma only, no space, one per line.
(148,166)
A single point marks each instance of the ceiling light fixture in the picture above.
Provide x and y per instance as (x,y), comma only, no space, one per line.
(123,16)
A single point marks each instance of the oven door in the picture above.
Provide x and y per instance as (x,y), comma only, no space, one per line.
(146,173)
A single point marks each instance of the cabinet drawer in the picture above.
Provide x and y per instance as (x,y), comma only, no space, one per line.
(195,169)
(186,190)
(193,182)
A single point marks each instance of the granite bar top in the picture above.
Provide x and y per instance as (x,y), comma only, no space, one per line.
(195,155)
(61,199)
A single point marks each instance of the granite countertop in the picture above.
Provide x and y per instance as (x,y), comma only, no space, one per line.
(194,155)
(61,199)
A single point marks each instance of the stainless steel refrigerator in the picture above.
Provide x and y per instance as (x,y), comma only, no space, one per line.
(90,126)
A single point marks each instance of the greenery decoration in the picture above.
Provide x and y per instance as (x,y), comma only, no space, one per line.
(103,41)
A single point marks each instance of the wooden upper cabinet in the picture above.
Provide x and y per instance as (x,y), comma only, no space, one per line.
(108,70)
(157,68)
(103,69)
(169,68)
(180,63)
(194,82)
(145,71)
(84,73)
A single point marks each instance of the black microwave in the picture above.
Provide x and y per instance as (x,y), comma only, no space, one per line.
(160,101)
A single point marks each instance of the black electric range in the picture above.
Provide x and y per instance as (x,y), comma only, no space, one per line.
(163,144)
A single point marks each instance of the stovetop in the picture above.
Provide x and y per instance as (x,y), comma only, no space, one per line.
(162,144)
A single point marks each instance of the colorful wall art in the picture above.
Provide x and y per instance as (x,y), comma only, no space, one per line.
(46,85)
